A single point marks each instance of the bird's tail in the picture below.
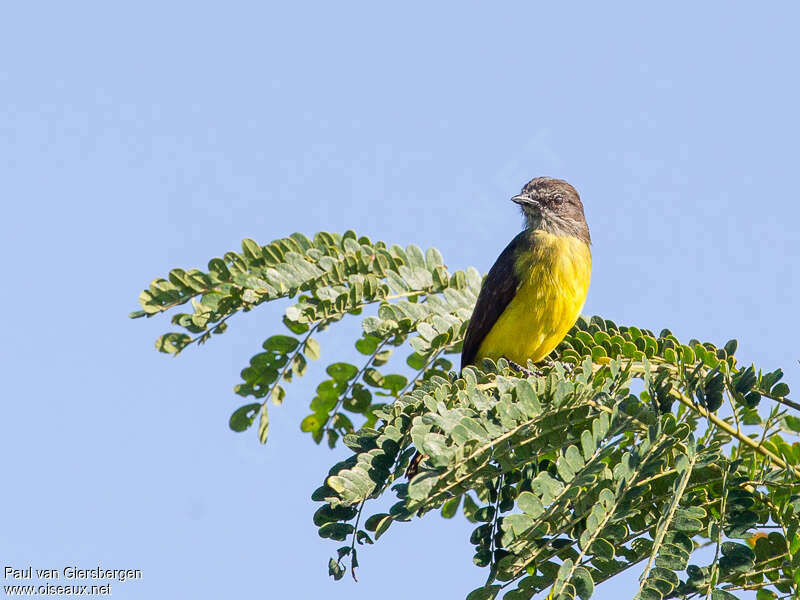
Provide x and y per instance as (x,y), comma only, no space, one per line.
(413,466)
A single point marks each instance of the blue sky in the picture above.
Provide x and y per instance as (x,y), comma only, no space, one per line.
(136,138)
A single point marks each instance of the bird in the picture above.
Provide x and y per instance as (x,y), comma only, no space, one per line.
(536,289)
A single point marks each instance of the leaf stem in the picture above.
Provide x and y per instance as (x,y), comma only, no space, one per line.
(289,361)
(774,459)
(720,528)
(352,383)
(353,559)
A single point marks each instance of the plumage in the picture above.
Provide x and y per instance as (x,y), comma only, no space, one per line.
(536,289)
(532,296)
(497,291)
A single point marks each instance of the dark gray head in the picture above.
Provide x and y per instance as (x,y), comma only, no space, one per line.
(554,206)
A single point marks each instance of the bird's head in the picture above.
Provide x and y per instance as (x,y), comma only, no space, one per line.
(554,206)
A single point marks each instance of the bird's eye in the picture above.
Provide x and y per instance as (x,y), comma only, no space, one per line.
(558,200)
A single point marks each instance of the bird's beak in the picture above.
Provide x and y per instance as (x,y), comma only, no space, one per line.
(524,200)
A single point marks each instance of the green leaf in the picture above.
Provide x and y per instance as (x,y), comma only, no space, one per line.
(582,580)
(367,344)
(382,357)
(394,383)
(263,424)
(415,360)
(598,354)
(426,331)
(251,249)
(587,444)
(299,365)
(282,344)
(342,371)
(172,343)
(527,398)
(450,508)
(482,557)
(781,390)
(359,401)
(565,470)
(312,349)
(794,547)
(736,558)
(681,523)
(397,284)
(243,416)
(573,457)
(484,593)
(311,423)
(470,508)
(336,531)
(603,548)
(330,514)
(792,423)
(421,485)
(293,326)
(277,395)
(530,504)
(335,570)
(517,523)
(383,525)
(371,524)
(485,514)
(373,377)
(433,259)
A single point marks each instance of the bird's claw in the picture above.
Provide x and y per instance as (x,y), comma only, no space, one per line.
(546,365)
(520,369)
(567,366)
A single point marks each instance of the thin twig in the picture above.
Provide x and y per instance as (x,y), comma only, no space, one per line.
(289,362)
(353,558)
(773,458)
(355,379)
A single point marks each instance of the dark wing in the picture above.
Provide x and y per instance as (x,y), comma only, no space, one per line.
(497,291)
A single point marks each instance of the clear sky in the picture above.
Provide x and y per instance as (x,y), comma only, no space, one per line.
(137,137)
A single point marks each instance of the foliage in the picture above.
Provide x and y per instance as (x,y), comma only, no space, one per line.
(570,476)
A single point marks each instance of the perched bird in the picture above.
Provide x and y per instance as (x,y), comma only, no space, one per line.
(536,288)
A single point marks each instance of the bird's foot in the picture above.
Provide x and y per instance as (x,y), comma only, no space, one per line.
(541,368)
(520,369)
(568,367)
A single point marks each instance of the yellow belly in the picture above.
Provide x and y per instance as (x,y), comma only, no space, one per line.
(554,278)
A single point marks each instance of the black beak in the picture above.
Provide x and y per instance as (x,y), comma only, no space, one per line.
(524,200)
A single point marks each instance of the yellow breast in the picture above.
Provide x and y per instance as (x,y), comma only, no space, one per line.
(554,278)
